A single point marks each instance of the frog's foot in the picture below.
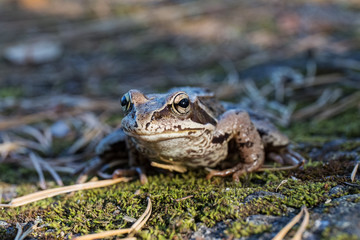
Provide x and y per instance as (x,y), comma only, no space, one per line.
(133,171)
(287,157)
(236,171)
(87,170)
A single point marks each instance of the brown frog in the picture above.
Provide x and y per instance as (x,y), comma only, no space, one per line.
(188,128)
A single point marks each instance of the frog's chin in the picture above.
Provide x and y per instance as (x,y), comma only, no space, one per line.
(153,137)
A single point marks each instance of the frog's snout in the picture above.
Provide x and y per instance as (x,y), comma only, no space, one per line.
(137,97)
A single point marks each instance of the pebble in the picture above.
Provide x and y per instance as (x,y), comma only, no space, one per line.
(33,52)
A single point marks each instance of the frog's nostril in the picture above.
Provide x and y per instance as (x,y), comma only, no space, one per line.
(137,97)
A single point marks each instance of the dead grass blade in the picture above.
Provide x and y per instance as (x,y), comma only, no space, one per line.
(41,138)
(52,171)
(21,235)
(86,138)
(36,162)
(8,147)
(273,169)
(171,168)
(36,117)
(142,219)
(13,122)
(288,226)
(82,105)
(343,105)
(320,80)
(19,232)
(183,198)
(103,234)
(33,197)
(32,145)
(328,97)
(132,230)
(303,225)
(281,183)
(354,171)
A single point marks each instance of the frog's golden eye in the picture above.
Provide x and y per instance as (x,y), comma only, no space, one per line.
(181,103)
(126,102)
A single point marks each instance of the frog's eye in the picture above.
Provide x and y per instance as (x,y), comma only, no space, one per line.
(126,102)
(181,103)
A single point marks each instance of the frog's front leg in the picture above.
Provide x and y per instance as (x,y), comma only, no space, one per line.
(236,125)
(115,149)
(136,160)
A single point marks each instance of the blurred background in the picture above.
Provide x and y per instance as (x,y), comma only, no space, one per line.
(65,64)
(104,48)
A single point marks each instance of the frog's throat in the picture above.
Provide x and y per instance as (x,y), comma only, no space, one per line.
(166,135)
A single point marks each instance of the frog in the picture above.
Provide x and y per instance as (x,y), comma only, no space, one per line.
(188,128)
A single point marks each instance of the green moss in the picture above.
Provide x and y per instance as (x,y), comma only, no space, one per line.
(243,229)
(103,209)
(211,202)
(331,233)
(345,125)
(10,92)
(13,174)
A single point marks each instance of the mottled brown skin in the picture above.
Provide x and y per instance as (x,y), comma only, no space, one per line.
(189,128)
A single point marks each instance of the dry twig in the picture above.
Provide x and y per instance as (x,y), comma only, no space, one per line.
(33,197)
(293,221)
(52,171)
(35,160)
(131,231)
(354,171)
(21,235)
(19,232)
(7,147)
(343,105)
(303,225)
(183,198)
(281,183)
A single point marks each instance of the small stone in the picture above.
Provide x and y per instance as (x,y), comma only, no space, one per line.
(338,191)
(34,52)
(60,129)
(129,219)
(3,223)
(261,194)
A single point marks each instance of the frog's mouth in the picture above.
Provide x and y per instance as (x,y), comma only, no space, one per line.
(166,135)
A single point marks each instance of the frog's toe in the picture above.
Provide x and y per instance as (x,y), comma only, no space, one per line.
(296,158)
(85,171)
(275,157)
(226,172)
(122,172)
(131,172)
(293,158)
(287,157)
(236,175)
(236,172)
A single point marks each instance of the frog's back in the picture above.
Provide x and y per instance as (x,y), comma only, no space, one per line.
(270,135)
